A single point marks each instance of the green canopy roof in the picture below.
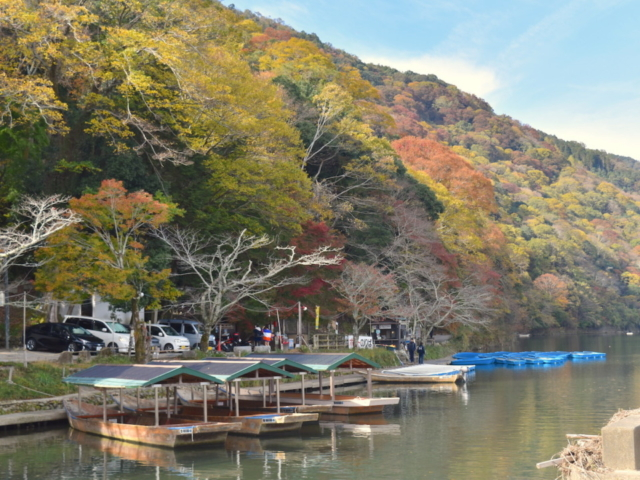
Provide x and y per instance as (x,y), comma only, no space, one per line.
(228,370)
(131,376)
(322,361)
(284,363)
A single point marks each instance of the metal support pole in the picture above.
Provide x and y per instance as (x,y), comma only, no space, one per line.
(24,324)
(175,400)
(217,393)
(278,394)
(264,393)
(138,398)
(299,324)
(369,383)
(121,402)
(168,403)
(6,309)
(157,410)
(204,400)
(104,405)
(79,399)
(320,382)
(302,374)
(237,397)
(331,385)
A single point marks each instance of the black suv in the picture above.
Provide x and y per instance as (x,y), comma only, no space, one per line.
(61,336)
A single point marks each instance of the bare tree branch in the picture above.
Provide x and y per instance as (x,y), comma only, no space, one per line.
(40,218)
(226,278)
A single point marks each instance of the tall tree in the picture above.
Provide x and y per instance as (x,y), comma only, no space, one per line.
(105,255)
(368,292)
(225,274)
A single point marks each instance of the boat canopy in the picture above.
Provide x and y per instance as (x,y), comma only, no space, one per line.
(284,363)
(322,361)
(132,376)
(227,370)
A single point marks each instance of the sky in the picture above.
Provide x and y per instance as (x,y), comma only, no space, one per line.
(567,67)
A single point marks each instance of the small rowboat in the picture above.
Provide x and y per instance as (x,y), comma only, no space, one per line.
(425,373)
(139,428)
(390,378)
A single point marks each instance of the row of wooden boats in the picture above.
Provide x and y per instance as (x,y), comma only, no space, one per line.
(184,409)
(522,358)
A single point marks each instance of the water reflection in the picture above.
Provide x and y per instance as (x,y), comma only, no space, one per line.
(495,426)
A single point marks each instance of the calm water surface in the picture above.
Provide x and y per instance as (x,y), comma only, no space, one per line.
(497,426)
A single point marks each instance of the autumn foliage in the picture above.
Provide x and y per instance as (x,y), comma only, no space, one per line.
(445,167)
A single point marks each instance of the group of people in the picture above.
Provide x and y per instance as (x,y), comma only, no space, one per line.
(412,348)
(262,336)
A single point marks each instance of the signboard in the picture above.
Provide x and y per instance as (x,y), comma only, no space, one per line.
(365,342)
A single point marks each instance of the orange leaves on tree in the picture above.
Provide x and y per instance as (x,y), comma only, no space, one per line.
(553,286)
(445,167)
(113,207)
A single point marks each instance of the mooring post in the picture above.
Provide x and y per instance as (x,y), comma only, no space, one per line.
(332,388)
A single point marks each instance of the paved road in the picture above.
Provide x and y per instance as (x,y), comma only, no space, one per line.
(18,355)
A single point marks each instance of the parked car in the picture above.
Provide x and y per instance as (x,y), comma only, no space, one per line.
(169,338)
(61,336)
(191,329)
(114,335)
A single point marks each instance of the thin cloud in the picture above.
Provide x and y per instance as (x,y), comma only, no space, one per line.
(468,77)
(613,128)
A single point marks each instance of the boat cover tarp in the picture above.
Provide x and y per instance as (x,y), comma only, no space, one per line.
(131,376)
(229,370)
(322,361)
(423,370)
(283,363)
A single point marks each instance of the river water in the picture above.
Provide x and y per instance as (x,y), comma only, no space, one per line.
(497,426)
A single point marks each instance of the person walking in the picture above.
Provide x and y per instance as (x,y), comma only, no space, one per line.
(421,351)
(411,348)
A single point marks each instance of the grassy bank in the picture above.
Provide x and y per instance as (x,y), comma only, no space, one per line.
(43,379)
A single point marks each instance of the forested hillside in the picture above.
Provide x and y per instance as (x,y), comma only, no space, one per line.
(448,215)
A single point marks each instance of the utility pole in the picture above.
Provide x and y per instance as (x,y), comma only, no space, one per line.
(300,337)
(5,302)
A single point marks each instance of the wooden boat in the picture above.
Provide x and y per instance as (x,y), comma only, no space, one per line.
(140,428)
(251,422)
(394,378)
(329,362)
(340,404)
(424,373)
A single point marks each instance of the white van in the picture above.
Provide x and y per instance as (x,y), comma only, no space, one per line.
(191,329)
(114,335)
(169,338)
